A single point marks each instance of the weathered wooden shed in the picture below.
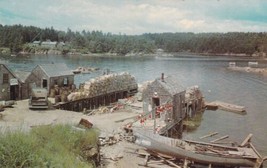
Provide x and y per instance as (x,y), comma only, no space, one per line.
(168,90)
(49,75)
(194,101)
(168,94)
(10,86)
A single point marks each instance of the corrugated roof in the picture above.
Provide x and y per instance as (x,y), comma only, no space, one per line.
(22,75)
(171,85)
(55,70)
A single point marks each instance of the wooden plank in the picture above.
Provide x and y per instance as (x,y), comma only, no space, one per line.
(155,162)
(219,139)
(185,163)
(228,142)
(205,143)
(146,159)
(209,135)
(254,149)
(142,152)
(246,140)
(127,118)
(215,151)
(170,162)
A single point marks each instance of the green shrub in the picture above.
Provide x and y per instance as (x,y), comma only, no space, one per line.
(18,150)
(47,146)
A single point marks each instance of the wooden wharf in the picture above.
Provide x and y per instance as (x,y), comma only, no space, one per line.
(96,101)
(226,107)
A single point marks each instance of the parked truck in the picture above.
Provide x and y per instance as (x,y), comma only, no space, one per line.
(38,99)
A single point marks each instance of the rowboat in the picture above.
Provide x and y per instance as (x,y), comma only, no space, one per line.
(201,152)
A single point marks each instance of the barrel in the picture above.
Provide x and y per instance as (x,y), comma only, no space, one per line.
(57,99)
(52,93)
(73,87)
(64,97)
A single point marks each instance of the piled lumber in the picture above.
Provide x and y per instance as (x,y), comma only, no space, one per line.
(157,160)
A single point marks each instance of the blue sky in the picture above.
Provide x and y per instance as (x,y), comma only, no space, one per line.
(138,16)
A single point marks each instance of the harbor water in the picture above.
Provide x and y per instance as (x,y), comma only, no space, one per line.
(210,73)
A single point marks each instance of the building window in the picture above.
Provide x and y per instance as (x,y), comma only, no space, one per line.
(5,78)
(65,82)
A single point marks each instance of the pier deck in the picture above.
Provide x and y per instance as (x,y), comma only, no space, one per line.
(226,107)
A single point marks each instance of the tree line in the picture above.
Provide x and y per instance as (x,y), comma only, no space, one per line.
(15,37)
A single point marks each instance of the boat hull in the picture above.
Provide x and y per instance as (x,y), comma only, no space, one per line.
(163,145)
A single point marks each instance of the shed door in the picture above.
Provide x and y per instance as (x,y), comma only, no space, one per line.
(13,92)
(44,83)
(14,89)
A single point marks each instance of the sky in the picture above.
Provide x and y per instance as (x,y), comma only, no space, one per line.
(133,17)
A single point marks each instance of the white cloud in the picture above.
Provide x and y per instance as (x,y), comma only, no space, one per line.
(137,17)
(190,24)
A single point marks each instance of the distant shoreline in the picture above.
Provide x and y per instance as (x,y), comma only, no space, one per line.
(132,54)
(163,54)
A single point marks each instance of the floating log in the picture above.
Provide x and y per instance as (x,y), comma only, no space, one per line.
(226,107)
(209,135)
(247,140)
(219,139)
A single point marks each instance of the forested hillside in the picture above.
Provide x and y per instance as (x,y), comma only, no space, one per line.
(16,38)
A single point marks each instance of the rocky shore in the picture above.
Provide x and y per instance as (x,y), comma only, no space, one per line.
(262,71)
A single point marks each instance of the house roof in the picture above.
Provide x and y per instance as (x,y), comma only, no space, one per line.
(55,70)
(10,71)
(171,85)
(22,75)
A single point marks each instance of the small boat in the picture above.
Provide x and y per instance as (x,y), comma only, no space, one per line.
(13,55)
(232,64)
(201,152)
(252,64)
(84,70)
(76,71)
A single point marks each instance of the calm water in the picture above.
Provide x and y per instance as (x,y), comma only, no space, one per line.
(209,73)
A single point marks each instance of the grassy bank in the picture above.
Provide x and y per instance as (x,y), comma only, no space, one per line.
(48,146)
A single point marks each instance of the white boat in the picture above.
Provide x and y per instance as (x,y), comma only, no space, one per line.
(252,63)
